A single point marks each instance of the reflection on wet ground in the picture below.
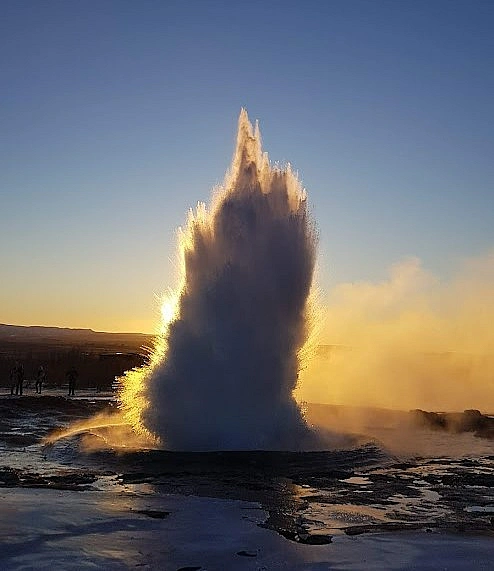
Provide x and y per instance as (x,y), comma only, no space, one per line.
(310,497)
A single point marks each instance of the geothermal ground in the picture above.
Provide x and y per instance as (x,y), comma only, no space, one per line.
(370,503)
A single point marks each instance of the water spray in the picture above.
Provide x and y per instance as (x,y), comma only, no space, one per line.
(224,369)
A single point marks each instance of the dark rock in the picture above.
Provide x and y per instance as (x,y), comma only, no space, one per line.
(155,514)
(471,420)
(316,539)
(247,553)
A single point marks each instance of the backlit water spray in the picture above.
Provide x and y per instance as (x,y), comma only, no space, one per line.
(235,332)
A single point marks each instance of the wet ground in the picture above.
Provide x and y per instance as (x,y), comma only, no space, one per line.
(308,497)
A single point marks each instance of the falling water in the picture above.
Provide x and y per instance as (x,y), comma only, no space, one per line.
(224,370)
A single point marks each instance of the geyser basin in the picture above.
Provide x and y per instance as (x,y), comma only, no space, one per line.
(223,373)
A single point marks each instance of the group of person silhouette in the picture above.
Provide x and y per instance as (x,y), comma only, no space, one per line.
(17,379)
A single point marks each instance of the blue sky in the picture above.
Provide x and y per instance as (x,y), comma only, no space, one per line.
(118,116)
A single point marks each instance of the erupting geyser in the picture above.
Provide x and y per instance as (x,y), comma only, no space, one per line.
(223,373)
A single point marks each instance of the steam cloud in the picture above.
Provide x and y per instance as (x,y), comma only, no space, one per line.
(410,341)
(225,370)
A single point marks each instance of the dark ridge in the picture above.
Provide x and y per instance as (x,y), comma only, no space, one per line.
(471,420)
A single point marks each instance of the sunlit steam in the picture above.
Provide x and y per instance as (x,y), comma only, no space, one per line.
(111,429)
(223,372)
(410,341)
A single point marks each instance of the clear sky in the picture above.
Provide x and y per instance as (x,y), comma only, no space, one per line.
(116,117)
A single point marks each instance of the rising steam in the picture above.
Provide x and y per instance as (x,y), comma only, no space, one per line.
(223,373)
(410,341)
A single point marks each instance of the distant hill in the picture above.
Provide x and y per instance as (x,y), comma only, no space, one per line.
(19,335)
(99,357)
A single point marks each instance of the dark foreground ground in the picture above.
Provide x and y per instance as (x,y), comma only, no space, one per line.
(308,498)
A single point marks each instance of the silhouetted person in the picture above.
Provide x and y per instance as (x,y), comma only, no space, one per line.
(72,375)
(20,379)
(13,378)
(40,379)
